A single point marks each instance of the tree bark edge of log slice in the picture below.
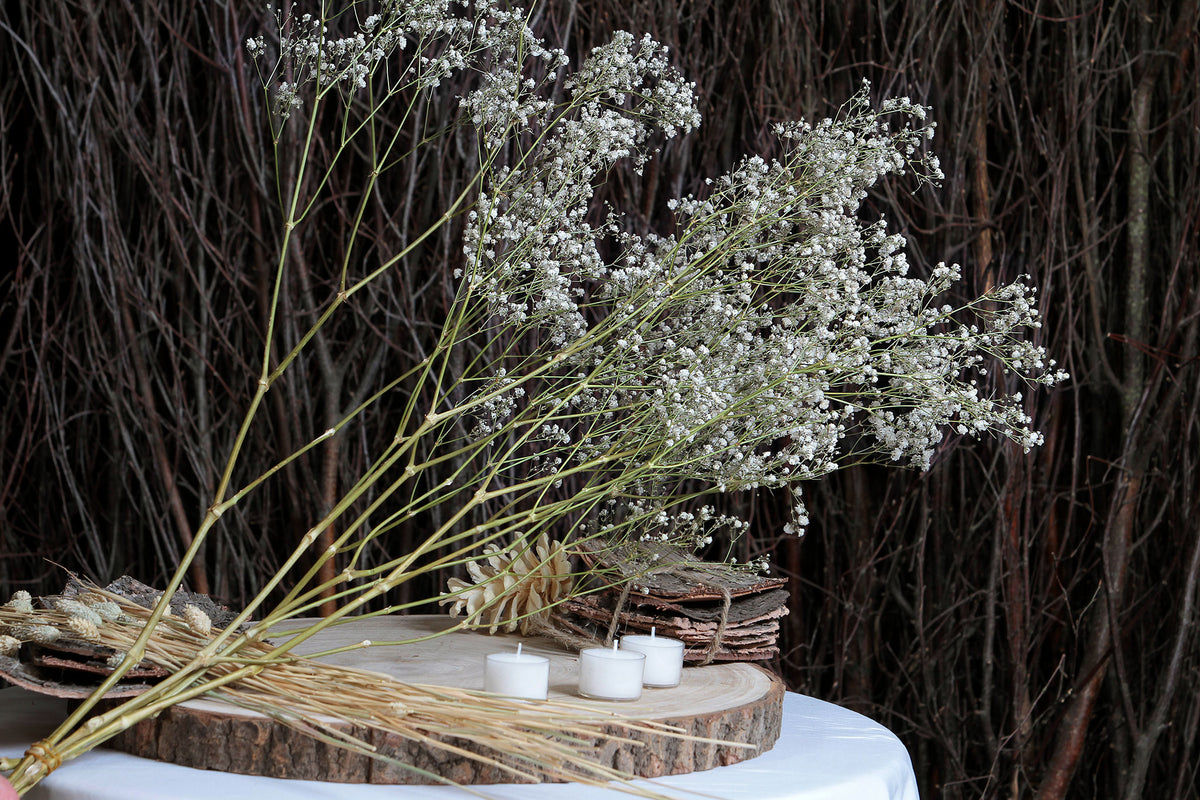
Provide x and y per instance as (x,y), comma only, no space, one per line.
(735,703)
(260,746)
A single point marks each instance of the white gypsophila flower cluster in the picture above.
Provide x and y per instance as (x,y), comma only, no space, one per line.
(773,337)
(691,529)
(527,241)
(509,100)
(500,399)
(442,42)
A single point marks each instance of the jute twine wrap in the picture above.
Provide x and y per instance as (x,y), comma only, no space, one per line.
(44,753)
(715,645)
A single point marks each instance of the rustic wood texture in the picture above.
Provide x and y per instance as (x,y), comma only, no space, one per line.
(735,703)
(721,612)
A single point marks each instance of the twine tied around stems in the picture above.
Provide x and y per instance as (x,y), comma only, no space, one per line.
(45,753)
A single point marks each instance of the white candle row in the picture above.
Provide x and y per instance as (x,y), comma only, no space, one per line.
(616,674)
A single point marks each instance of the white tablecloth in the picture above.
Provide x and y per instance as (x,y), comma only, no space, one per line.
(825,752)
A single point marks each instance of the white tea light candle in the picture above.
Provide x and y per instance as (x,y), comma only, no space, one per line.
(611,674)
(517,675)
(664,658)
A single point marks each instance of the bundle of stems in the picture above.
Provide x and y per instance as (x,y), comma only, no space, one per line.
(773,337)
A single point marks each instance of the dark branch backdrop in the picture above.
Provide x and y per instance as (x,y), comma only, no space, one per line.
(1026,624)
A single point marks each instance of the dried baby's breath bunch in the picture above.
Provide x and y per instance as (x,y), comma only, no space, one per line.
(775,337)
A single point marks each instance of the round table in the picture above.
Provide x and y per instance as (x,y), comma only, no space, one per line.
(824,752)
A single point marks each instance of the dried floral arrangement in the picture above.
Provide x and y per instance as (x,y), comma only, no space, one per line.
(772,337)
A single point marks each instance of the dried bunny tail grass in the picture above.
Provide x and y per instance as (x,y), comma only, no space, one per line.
(35,632)
(197,620)
(550,741)
(21,601)
(83,628)
(77,609)
(9,645)
(107,609)
(98,619)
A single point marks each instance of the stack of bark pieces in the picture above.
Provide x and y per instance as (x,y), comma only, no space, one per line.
(720,612)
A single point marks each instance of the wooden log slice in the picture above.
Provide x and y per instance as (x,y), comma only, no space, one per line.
(735,703)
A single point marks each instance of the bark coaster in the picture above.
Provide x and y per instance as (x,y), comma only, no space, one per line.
(720,612)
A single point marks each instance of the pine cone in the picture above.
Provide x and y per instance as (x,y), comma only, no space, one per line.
(512,588)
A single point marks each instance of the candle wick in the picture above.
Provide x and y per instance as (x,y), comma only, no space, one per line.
(518,648)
